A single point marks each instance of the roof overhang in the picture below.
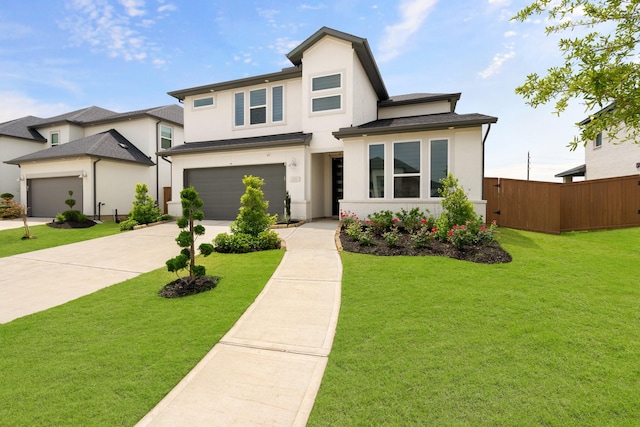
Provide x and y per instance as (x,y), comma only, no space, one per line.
(577,171)
(285,74)
(270,141)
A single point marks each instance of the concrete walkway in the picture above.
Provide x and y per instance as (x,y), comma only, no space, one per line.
(267,370)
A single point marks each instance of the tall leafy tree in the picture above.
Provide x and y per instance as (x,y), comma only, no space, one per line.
(601,64)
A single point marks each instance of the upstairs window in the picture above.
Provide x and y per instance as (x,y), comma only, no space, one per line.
(265,106)
(203,102)
(406,169)
(166,136)
(55,138)
(258,106)
(326,94)
(598,142)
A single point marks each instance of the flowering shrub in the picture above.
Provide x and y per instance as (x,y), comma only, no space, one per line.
(412,220)
(486,234)
(365,237)
(424,236)
(353,230)
(347,218)
(382,221)
(392,237)
(461,235)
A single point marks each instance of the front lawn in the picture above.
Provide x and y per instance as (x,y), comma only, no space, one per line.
(47,237)
(108,358)
(552,338)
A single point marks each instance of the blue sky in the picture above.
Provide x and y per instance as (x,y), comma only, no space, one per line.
(124,55)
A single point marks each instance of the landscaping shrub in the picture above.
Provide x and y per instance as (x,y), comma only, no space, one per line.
(144,209)
(164,217)
(381,221)
(253,217)
(347,218)
(7,206)
(458,209)
(268,239)
(424,237)
(128,224)
(412,220)
(365,238)
(72,215)
(353,230)
(392,237)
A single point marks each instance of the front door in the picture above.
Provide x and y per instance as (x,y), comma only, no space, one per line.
(337,180)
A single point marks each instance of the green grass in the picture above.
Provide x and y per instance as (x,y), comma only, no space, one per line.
(47,237)
(551,339)
(108,358)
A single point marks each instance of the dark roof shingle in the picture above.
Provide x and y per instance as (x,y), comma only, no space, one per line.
(296,138)
(109,144)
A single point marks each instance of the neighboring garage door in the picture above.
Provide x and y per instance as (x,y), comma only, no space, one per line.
(46,196)
(221,188)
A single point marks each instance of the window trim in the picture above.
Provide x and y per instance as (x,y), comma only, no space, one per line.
(57,133)
(384,169)
(269,110)
(406,175)
(431,140)
(200,107)
(162,137)
(327,93)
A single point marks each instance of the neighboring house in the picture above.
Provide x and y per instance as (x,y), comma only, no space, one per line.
(606,156)
(98,154)
(327,132)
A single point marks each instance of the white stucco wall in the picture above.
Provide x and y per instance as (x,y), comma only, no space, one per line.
(465,162)
(11,148)
(611,159)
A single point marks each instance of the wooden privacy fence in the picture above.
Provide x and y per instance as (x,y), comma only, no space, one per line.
(550,207)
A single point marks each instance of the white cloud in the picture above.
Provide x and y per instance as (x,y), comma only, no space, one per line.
(500,2)
(166,8)
(497,63)
(284,45)
(269,15)
(133,7)
(310,7)
(12,31)
(17,105)
(510,34)
(98,24)
(395,41)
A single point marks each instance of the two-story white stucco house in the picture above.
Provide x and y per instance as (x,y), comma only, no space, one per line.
(98,154)
(326,131)
(608,156)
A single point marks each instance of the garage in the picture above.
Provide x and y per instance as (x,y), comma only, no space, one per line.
(46,196)
(221,188)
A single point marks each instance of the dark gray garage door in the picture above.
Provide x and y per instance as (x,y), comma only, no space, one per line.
(46,196)
(221,188)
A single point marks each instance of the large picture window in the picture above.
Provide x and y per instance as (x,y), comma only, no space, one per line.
(439,164)
(406,169)
(376,171)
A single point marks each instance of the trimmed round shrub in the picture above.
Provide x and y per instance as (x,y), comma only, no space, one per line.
(72,215)
(268,240)
(128,224)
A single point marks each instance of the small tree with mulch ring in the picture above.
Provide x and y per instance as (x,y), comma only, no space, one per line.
(197,281)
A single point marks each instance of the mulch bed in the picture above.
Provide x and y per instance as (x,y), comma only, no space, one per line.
(183,286)
(487,254)
(72,224)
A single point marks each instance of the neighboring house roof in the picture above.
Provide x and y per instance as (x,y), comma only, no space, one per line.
(109,145)
(281,140)
(577,171)
(416,124)
(420,98)
(169,113)
(78,117)
(22,128)
(361,47)
(604,110)
(286,73)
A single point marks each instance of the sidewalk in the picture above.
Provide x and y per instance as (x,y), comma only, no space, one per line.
(267,369)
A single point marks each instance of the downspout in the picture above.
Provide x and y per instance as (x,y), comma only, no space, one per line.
(170,175)
(483,142)
(95,186)
(157,165)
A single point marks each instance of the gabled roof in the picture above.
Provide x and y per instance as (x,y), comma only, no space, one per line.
(421,98)
(109,145)
(281,140)
(22,128)
(361,47)
(416,124)
(604,110)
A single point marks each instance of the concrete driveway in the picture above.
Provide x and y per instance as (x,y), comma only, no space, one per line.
(38,280)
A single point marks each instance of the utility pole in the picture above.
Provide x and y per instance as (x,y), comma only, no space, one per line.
(528,164)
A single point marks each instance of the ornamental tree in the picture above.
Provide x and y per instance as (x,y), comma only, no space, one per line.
(253,217)
(601,68)
(191,212)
